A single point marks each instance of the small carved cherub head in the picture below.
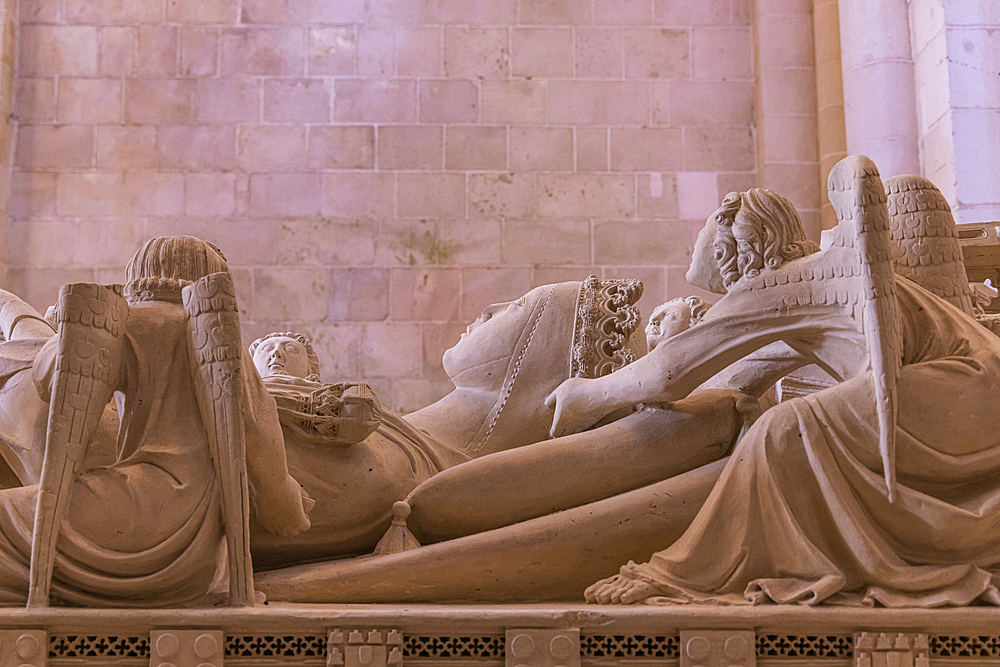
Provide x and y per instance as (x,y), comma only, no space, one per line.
(285,354)
(752,231)
(673,317)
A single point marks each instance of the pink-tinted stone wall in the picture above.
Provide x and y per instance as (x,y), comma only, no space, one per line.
(378,171)
(956,53)
(8,31)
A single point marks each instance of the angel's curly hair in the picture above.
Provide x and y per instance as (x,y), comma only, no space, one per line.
(757,229)
(310,350)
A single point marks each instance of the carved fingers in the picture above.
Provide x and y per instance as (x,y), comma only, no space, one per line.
(575,409)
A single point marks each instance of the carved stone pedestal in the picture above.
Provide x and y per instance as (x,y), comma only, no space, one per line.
(364,648)
(23,648)
(186,648)
(501,636)
(718,648)
(543,648)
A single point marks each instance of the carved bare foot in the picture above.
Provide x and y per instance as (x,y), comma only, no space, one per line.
(621,589)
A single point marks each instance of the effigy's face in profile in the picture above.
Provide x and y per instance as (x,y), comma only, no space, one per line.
(704,270)
(491,337)
(281,355)
(668,319)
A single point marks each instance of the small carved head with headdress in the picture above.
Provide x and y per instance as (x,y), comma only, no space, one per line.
(285,353)
(519,351)
(673,317)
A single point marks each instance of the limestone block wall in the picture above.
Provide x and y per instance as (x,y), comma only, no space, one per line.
(787,134)
(878,84)
(956,51)
(378,171)
(8,30)
(831,133)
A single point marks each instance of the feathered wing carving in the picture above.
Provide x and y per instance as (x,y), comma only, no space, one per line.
(925,239)
(87,370)
(858,196)
(217,353)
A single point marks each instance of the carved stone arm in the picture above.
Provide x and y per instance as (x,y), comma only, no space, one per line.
(756,373)
(280,503)
(678,365)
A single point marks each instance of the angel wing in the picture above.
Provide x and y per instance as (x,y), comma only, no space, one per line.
(858,196)
(925,239)
(85,372)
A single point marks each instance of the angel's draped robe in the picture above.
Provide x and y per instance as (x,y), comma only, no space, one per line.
(145,531)
(801,512)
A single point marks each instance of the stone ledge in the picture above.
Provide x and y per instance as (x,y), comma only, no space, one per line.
(500,635)
(415,618)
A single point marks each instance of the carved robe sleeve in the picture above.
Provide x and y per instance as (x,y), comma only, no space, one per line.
(280,503)
(679,365)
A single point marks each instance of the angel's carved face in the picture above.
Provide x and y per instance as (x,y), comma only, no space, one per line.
(704,270)
(667,320)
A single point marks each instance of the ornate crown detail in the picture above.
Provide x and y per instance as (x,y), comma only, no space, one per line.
(605,318)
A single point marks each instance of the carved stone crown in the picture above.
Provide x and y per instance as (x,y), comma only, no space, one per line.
(606,317)
(165,264)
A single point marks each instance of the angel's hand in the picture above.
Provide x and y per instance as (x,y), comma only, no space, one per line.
(576,407)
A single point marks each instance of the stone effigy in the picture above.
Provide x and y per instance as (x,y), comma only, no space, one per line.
(355,487)
(562,453)
(503,367)
(823,328)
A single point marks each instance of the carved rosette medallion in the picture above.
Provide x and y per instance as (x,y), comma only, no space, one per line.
(532,647)
(718,648)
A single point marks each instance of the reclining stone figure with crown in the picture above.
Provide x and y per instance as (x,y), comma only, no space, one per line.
(476,474)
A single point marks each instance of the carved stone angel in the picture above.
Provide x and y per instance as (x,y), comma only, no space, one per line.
(882,489)
(147,529)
